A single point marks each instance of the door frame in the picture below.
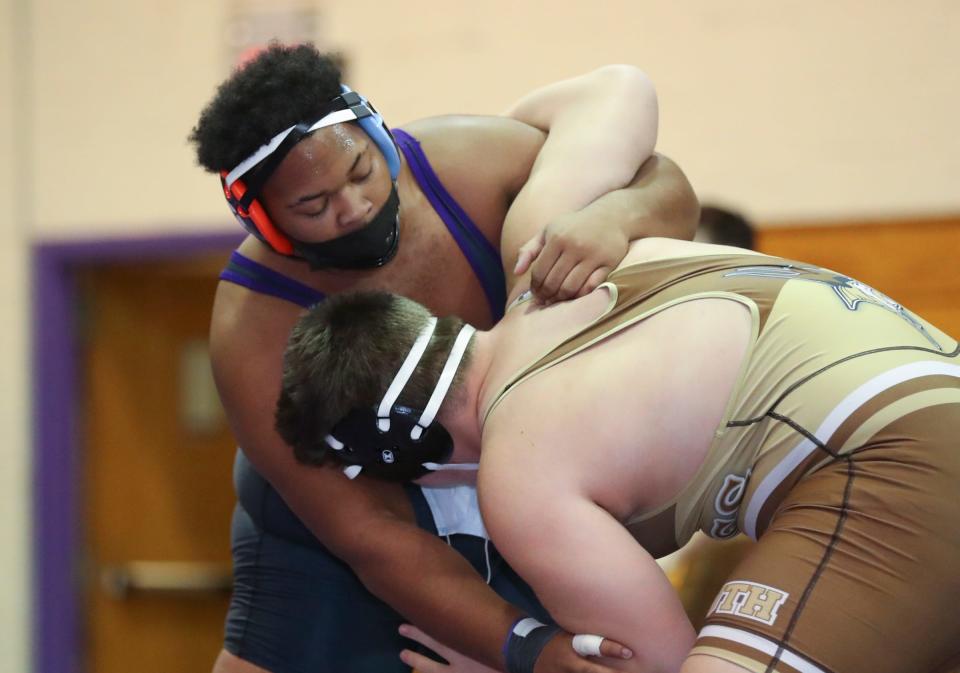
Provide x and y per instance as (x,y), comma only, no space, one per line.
(56,516)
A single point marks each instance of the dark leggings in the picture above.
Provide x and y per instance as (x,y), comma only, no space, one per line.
(298,609)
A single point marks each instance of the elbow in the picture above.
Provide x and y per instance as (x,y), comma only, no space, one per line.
(680,207)
(630,91)
(669,653)
(678,645)
(629,79)
(628,84)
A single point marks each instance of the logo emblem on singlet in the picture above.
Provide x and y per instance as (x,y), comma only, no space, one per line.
(726,505)
(850,291)
(751,600)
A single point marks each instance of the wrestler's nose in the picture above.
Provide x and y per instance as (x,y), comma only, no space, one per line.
(352,206)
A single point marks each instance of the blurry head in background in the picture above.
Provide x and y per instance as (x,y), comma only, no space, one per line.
(724,227)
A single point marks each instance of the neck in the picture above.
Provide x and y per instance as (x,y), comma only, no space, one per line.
(463,420)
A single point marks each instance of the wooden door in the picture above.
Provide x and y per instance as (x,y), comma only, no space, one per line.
(157,492)
(914,261)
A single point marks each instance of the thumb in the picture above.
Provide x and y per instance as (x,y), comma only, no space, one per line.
(528,252)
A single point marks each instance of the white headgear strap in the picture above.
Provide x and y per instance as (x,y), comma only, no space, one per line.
(271,146)
(443,383)
(436,398)
(403,375)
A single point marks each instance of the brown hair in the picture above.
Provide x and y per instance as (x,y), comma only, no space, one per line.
(725,227)
(344,353)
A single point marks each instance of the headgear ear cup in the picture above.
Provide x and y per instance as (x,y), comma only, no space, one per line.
(389,455)
(255,219)
(374,127)
(394,441)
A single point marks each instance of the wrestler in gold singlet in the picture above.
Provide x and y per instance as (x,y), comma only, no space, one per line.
(839,451)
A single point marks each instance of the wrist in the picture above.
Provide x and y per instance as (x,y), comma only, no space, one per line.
(524,643)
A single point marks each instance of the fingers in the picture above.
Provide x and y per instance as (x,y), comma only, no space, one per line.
(565,269)
(586,666)
(528,253)
(555,284)
(420,663)
(589,645)
(596,668)
(543,267)
(559,657)
(413,633)
(578,281)
(570,261)
(593,282)
(613,649)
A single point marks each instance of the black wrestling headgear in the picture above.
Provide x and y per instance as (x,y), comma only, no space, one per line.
(396,442)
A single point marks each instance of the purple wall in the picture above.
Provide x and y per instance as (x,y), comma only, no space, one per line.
(56,463)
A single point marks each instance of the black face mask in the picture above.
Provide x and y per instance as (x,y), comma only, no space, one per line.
(368,248)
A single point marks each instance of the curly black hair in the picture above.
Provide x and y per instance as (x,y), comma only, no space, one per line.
(282,86)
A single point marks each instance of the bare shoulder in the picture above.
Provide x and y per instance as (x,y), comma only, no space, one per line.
(654,248)
(446,138)
(479,158)
(248,334)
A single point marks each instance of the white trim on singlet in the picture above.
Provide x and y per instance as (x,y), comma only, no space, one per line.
(760,644)
(834,419)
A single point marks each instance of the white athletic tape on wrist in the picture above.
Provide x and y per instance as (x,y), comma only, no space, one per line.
(525,626)
(587,645)
(524,644)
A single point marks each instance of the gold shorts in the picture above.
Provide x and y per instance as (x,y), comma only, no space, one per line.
(858,570)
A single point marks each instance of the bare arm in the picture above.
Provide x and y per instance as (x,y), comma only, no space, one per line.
(605,120)
(576,252)
(601,134)
(583,564)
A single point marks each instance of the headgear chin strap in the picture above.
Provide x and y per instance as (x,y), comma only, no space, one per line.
(242,186)
(397,442)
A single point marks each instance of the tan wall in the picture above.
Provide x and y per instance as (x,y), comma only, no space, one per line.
(792,109)
(118,86)
(15,599)
(789,110)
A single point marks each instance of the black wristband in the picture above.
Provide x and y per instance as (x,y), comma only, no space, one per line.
(525,642)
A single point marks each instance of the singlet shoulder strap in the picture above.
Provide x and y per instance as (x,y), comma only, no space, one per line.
(629,287)
(483,257)
(254,276)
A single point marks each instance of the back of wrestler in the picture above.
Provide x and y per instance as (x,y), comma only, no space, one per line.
(837,423)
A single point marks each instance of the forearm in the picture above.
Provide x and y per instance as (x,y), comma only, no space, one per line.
(601,127)
(658,202)
(370,525)
(434,587)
